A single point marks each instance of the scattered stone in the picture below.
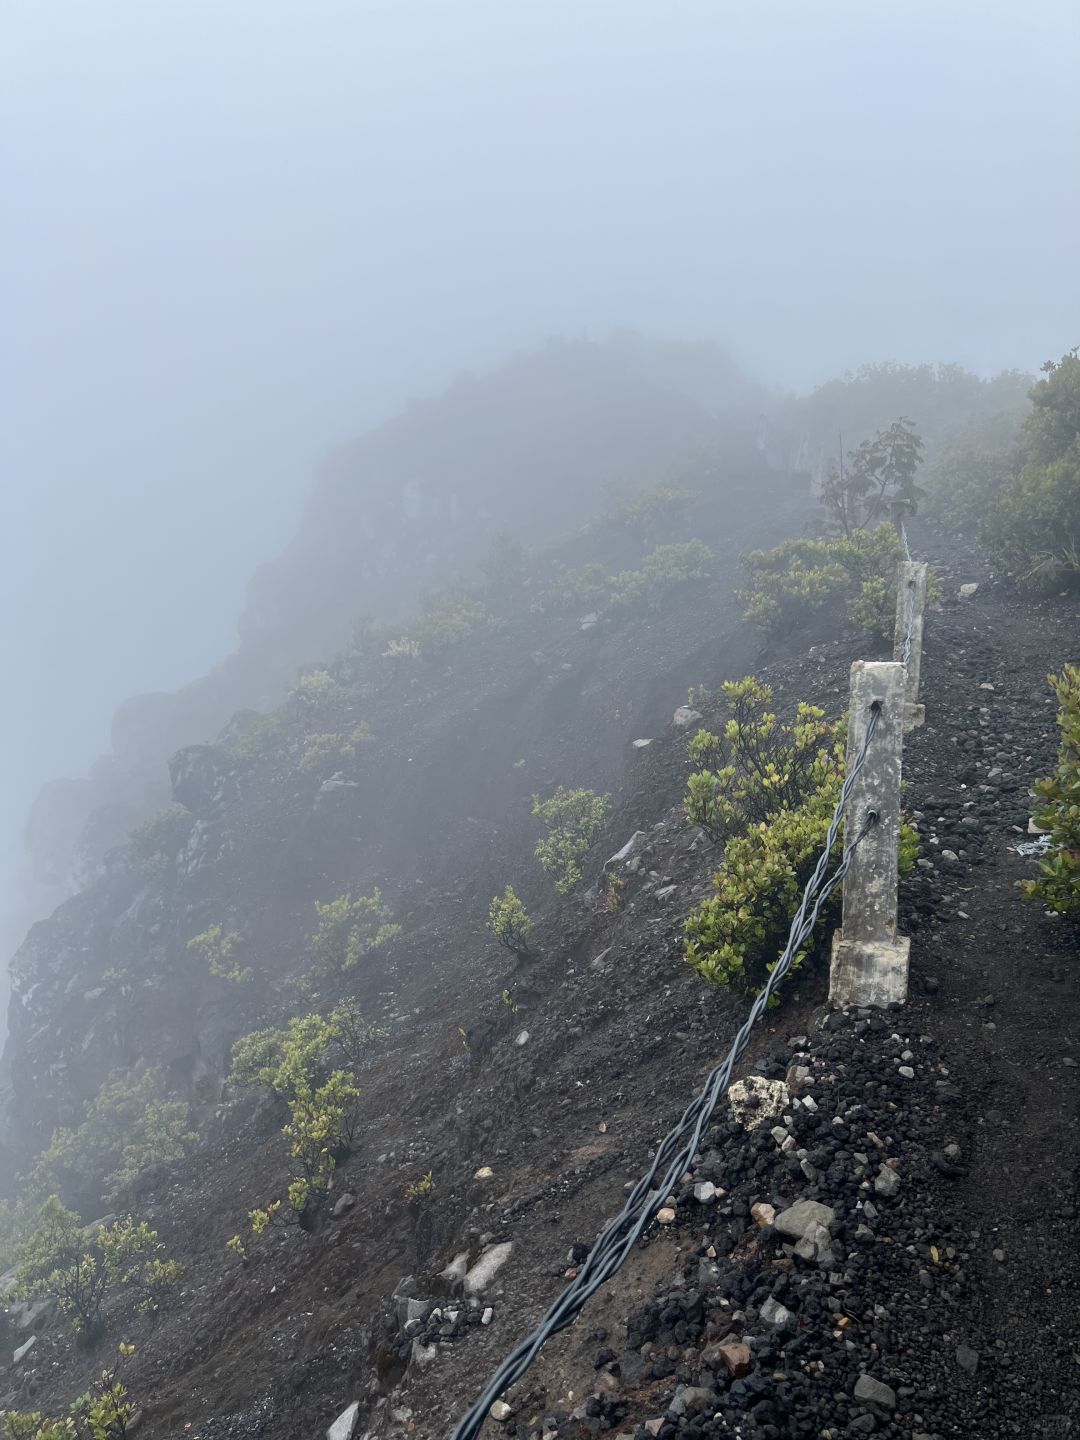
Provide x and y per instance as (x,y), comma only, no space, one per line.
(484,1173)
(487,1317)
(685,716)
(641,744)
(967,1358)
(967,591)
(666,892)
(483,1273)
(24,1349)
(736,1358)
(666,1216)
(754,1100)
(874,1392)
(907,1072)
(630,850)
(500,1410)
(887,1182)
(705,1191)
(344,1203)
(776,1315)
(522,1038)
(345,1424)
(797,1219)
(762,1214)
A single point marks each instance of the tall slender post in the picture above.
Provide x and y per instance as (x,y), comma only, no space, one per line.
(907,637)
(869,959)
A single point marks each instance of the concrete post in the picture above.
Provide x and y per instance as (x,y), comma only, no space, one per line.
(910,609)
(869,959)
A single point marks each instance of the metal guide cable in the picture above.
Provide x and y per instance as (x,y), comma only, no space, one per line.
(676,1151)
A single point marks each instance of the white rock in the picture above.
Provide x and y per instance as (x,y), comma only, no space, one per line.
(487,1267)
(773,1313)
(685,716)
(484,1173)
(704,1191)
(422,1355)
(636,843)
(666,891)
(500,1410)
(666,1216)
(755,1100)
(487,1317)
(641,744)
(522,1038)
(345,1424)
(967,591)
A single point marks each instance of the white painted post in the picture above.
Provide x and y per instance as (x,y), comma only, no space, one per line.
(869,959)
(910,609)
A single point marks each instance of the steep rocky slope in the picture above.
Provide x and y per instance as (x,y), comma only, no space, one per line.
(944,1306)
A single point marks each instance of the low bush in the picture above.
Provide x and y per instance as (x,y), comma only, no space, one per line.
(156,843)
(667,568)
(329,750)
(349,928)
(83,1267)
(801,578)
(1058,884)
(509,922)
(573,819)
(759,764)
(649,511)
(217,947)
(104,1412)
(129,1126)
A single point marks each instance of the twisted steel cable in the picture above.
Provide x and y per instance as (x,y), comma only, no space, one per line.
(676,1151)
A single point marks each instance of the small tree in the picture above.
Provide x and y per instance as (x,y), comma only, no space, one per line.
(509,922)
(877,481)
(81,1267)
(573,819)
(353,1034)
(217,948)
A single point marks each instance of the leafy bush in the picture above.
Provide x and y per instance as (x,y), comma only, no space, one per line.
(349,928)
(1059,882)
(156,843)
(573,819)
(758,765)
(329,750)
(352,1033)
(735,936)
(104,1412)
(1033,526)
(668,567)
(509,922)
(801,578)
(445,617)
(647,511)
(129,1126)
(323,1112)
(81,1268)
(217,947)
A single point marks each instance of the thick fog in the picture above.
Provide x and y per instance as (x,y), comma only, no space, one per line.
(237,233)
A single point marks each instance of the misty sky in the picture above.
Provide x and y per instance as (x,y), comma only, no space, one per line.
(237,231)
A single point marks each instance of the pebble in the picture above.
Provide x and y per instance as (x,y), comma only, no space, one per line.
(777,1315)
(666,1216)
(762,1214)
(875,1392)
(500,1411)
(887,1181)
(967,1358)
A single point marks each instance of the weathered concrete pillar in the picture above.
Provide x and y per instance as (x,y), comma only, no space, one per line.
(910,610)
(869,959)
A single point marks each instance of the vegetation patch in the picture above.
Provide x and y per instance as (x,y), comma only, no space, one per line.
(1058,884)
(572,819)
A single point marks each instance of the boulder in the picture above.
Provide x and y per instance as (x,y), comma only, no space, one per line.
(482,1275)
(798,1219)
(345,1424)
(633,847)
(685,716)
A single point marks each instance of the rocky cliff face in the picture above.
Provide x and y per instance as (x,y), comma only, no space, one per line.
(415,503)
(263,824)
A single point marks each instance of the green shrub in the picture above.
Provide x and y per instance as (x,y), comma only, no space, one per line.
(735,936)
(1059,882)
(81,1268)
(645,512)
(349,928)
(323,1112)
(573,819)
(667,568)
(970,470)
(800,578)
(1033,526)
(445,618)
(330,750)
(758,765)
(156,843)
(128,1127)
(509,922)
(352,1033)
(217,948)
